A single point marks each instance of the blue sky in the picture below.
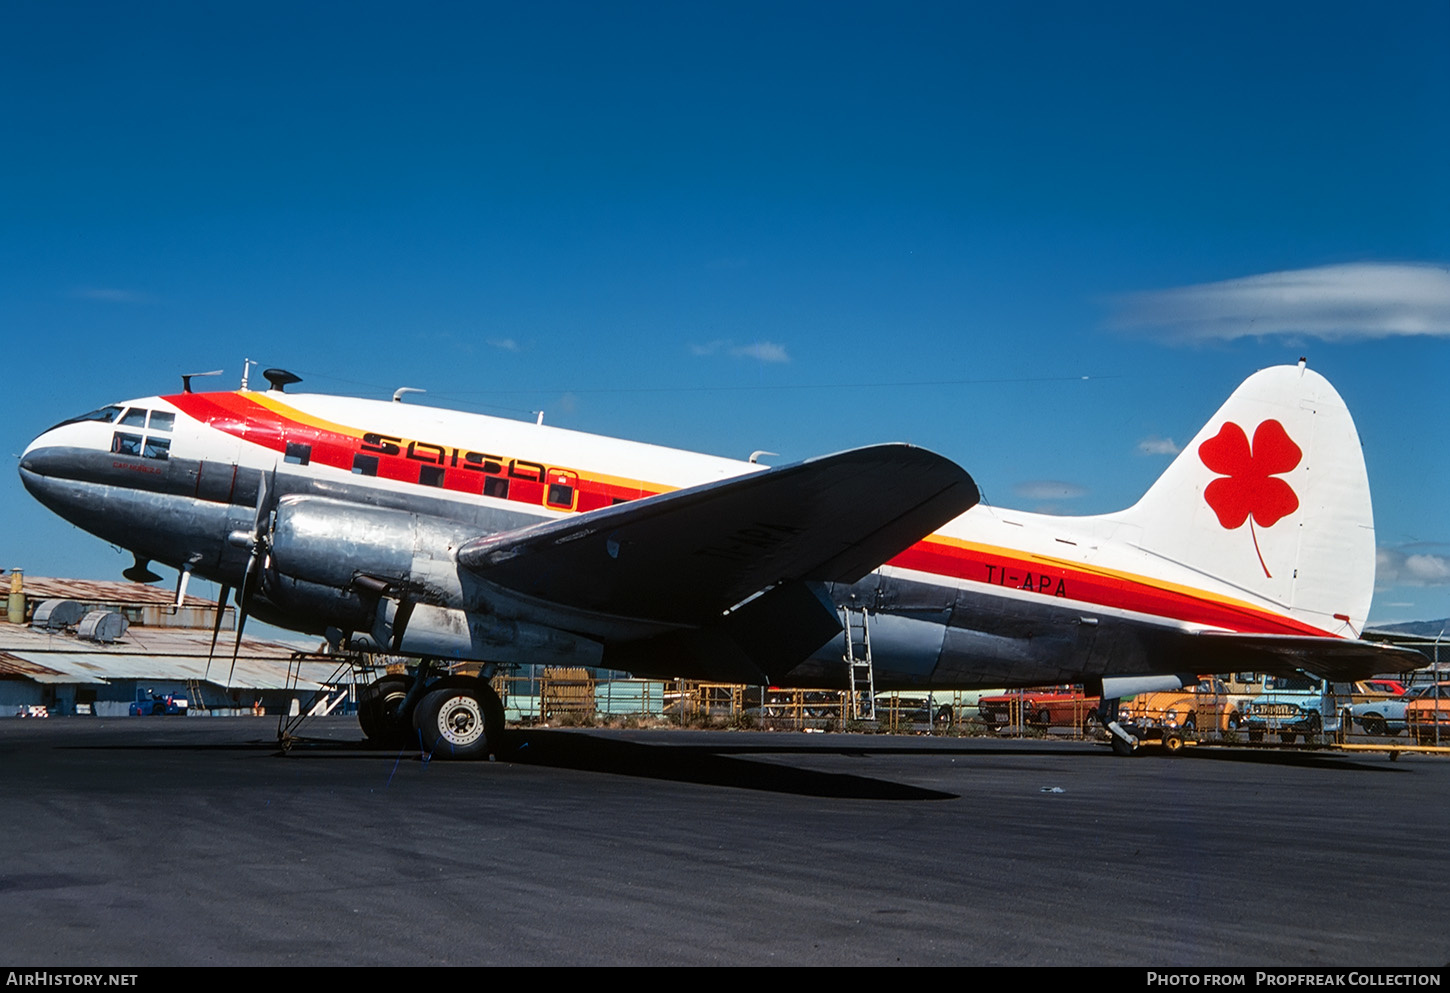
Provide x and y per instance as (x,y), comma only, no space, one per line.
(734,226)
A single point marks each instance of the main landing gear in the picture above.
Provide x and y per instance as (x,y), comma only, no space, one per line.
(453,717)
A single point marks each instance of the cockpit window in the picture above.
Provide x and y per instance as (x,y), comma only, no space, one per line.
(135,418)
(105,415)
(126,444)
(162,420)
(157,447)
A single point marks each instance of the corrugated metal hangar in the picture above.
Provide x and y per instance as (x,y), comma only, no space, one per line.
(77,646)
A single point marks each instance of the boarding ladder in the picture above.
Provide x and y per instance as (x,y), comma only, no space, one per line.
(861,677)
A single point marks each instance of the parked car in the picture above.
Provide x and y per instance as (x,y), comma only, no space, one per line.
(158,705)
(914,708)
(1428,715)
(1296,705)
(1216,702)
(1386,687)
(1042,707)
(1387,715)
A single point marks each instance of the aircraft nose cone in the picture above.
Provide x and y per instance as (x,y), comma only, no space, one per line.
(39,460)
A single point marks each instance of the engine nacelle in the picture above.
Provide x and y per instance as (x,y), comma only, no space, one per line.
(350,566)
(324,542)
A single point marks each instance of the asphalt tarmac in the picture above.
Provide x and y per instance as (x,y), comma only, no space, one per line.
(189,841)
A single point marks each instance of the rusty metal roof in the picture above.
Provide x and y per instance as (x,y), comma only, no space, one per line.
(98,591)
(154,653)
(14,667)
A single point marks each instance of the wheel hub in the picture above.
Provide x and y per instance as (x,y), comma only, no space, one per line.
(460,721)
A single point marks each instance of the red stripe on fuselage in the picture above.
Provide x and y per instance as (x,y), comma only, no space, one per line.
(516,480)
(1058,582)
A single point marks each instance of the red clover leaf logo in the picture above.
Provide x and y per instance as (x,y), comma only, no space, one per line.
(1248,485)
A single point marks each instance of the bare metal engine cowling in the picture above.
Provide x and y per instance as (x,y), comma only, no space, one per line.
(351,565)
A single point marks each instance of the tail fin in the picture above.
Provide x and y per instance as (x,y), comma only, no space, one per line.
(1272,497)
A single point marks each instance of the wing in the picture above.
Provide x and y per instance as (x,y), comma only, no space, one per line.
(687,557)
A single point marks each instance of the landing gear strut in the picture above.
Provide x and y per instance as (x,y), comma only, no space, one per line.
(1124,743)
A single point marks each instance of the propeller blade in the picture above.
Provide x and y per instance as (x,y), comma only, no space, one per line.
(242,595)
(264,501)
(237,646)
(216,627)
(265,486)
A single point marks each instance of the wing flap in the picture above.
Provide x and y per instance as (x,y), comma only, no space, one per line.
(686,557)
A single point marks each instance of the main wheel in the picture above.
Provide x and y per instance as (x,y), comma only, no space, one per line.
(1125,748)
(380,710)
(461,720)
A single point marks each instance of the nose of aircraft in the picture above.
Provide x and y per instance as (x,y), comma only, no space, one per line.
(39,456)
(45,462)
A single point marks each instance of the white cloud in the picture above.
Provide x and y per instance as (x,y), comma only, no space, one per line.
(506,344)
(761,351)
(1421,564)
(1334,303)
(1155,445)
(1049,489)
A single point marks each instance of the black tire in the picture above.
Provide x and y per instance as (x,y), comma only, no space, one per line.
(1123,748)
(1287,737)
(380,711)
(1315,726)
(1374,724)
(1091,725)
(1044,719)
(462,718)
(1172,744)
(1235,721)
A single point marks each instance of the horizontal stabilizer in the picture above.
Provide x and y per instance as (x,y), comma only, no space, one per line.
(1337,659)
(686,557)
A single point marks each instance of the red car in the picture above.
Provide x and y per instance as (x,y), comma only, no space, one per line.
(1041,707)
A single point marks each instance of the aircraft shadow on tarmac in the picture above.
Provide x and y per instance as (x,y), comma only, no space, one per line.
(717,763)
(703,765)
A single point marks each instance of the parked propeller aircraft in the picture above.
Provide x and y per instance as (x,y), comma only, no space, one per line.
(451,536)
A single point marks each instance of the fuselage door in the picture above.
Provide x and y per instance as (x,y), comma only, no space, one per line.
(562,492)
